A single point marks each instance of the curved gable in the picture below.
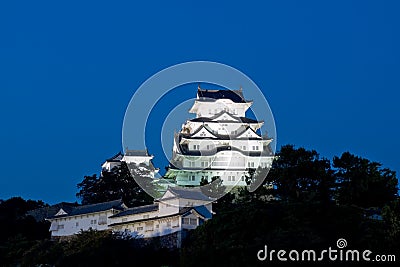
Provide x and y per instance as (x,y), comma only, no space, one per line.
(225,116)
(204,132)
(248,133)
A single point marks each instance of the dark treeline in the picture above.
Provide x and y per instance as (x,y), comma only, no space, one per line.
(305,202)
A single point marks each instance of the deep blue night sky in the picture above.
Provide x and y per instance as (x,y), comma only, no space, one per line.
(329,69)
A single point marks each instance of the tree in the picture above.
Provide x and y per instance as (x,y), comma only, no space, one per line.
(17,230)
(119,183)
(391,217)
(301,175)
(215,189)
(363,183)
(14,221)
(95,248)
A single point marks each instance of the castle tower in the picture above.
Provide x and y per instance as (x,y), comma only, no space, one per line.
(221,141)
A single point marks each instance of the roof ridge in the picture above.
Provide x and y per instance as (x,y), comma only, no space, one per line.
(104,202)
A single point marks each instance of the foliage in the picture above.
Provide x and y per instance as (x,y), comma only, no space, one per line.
(17,230)
(301,175)
(119,183)
(233,237)
(90,248)
(363,183)
(313,204)
(305,202)
(215,189)
(391,217)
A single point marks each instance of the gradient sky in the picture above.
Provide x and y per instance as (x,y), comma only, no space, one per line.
(329,69)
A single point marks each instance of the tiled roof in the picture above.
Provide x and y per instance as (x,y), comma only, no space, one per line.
(136,210)
(266,152)
(188,193)
(234,95)
(85,209)
(223,136)
(203,211)
(137,153)
(41,214)
(210,119)
(116,157)
(182,211)
(242,119)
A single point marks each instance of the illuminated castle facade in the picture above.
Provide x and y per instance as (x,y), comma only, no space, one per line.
(220,142)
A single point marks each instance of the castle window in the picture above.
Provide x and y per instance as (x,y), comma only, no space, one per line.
(102,219)
(231,178)
(149,226)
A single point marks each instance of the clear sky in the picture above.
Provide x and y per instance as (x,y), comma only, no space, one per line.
(329,69)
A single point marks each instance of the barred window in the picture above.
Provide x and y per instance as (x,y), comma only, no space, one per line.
(102,219)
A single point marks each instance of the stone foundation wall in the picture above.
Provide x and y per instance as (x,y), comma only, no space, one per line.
(169,241)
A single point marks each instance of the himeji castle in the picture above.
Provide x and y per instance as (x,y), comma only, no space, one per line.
(220,142)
